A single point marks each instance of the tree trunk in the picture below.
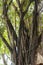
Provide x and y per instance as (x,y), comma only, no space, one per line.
(34,38)
(26,45)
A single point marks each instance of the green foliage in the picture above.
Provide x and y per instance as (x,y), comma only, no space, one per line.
(3,48)
(15,20)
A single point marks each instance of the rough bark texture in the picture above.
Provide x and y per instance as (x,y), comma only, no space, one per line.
(26,44)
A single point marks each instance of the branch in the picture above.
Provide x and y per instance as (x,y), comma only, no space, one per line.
(35,35)
(6,43)
(41,8)
(18,2)
(23,2)
(6,6)
(28,6)
(39,38)
(16,9)
(9,24)
(9,4)
(11,29)
(38,43)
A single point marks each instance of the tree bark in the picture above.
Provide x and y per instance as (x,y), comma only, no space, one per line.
(26,44)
